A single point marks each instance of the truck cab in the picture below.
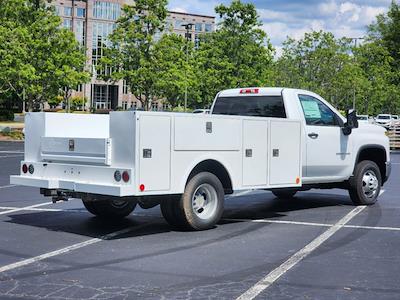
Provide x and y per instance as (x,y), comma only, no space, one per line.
(331,149)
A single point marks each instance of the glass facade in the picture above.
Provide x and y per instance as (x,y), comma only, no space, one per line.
(80,32)
(178,24)
(80,12)
(67,23)
(208,27)
(101,31)
(106,10)
(199,27)
(68,11)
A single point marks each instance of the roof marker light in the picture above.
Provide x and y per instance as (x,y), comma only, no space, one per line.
(249,91)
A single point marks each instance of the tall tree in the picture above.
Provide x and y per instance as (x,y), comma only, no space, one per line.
(237,54)
(321,63)
(174,69)
(37,56)
(386,31)
(131,53)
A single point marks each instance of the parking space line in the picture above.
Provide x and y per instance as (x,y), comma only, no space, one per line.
(34,209)
(23,208)
(44,256)
(7,186)
(280,222)
(275,274)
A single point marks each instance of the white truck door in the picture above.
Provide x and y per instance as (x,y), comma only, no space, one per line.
(328,149)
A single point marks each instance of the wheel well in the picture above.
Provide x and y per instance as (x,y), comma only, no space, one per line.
(377,155)
(215,168)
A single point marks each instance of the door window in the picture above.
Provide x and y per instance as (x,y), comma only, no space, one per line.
(317,113)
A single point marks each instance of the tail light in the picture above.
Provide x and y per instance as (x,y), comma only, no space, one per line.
(24,168)
(142,187)
(125,176)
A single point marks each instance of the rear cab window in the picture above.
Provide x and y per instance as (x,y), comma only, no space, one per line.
(254,106)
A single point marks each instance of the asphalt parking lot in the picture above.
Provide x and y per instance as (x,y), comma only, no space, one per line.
(316,246)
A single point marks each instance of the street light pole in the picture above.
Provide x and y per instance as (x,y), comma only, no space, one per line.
(354,58)
(188,28)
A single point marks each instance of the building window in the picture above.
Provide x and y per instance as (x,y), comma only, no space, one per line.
(154,106)
(166,107)
(68,11)
(178,24)
(80,32)
(106,10)
(125,88)
(124,105)
(199,27)
(101,31)
(79,88)
(134,105)
(80,12)
(208,27)
(196,41)
(57,10)
(67,24)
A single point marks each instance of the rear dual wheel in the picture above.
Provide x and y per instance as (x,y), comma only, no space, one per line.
(200,207)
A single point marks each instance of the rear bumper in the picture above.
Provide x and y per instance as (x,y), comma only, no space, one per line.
(82,187)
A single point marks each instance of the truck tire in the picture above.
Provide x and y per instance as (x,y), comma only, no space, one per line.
(284,194)
(366,183)
(113,209)
(201,205)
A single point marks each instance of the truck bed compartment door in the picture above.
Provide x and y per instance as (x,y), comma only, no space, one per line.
(285,154)
(255,156)
(155,152)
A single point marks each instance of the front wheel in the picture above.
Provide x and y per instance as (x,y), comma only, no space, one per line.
(201,205)
(366,183)
(113,209)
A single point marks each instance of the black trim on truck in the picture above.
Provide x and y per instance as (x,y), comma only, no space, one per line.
(373,152)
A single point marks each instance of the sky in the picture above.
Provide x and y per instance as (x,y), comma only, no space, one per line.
(282,18)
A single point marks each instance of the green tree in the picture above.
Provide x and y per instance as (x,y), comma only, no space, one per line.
(386,31)
(131,54)
(37,56)
(175,72)
(237,54)
(321,63)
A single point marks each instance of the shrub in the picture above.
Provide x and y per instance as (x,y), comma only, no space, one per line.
(6,115)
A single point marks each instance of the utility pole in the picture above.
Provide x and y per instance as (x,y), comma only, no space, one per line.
(354,59)
(188,28)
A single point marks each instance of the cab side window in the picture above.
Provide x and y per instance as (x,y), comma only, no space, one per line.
(317,113)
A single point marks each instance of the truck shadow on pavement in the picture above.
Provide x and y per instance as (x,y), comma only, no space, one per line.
(258,206)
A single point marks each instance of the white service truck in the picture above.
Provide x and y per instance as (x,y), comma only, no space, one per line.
(278,139)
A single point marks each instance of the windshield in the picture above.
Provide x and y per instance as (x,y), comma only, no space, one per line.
(255,106)
(384,117)
(362,118)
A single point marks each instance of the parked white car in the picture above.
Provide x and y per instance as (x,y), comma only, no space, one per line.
(277,139)
(363,119)
(384,120)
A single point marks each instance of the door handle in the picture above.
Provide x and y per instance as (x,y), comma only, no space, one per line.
(313,135)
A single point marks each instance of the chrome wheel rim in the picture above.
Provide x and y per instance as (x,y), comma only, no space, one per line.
(370,184)
(205,201)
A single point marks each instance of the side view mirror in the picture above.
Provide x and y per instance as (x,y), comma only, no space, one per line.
(352,122)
